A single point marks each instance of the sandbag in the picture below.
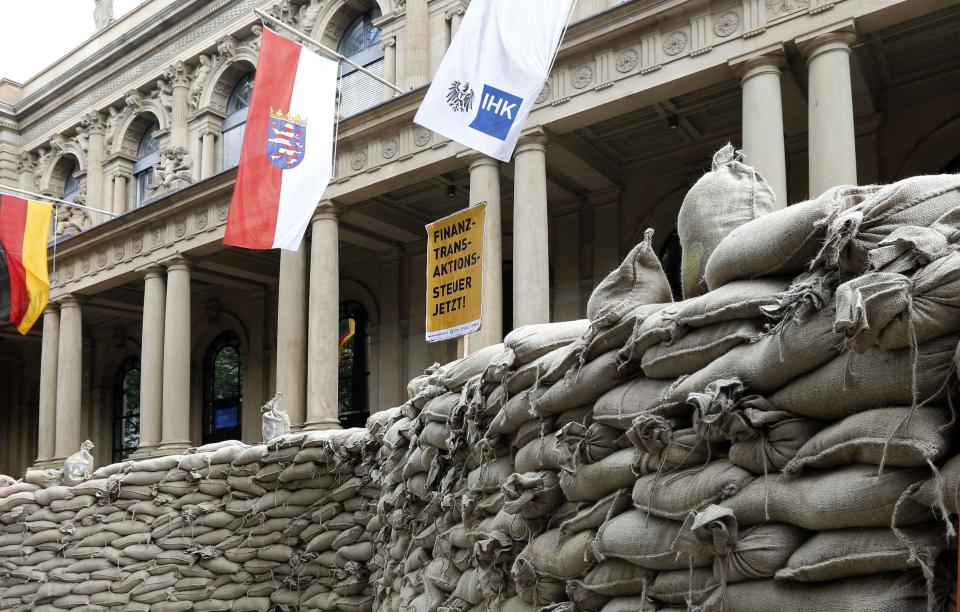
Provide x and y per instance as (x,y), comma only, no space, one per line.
(596,480)
(898,437)
(619,406)
(698,348)
(645,540)
(850,496)
(637,281)
(674,495)
(875,378)
(552,555)
(781,242)
(843,553)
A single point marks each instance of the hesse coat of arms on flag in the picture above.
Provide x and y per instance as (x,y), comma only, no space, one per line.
(286,139)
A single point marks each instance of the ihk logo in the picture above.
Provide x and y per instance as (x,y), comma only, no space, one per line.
(498,109)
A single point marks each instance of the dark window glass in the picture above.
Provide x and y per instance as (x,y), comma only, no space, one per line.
(71,185)
(352,390)
(223,390)
(126,411)
(148,153)
(240,96)
(670,259)
(360,35)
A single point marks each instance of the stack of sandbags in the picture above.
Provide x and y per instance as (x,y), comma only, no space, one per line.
(783,468)
(227,526)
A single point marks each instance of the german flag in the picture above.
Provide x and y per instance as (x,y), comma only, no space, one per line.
(24,282)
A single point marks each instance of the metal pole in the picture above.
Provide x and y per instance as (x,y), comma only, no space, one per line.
(39,196)
(325,49)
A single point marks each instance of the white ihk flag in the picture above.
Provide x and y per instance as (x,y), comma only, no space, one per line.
(493,71)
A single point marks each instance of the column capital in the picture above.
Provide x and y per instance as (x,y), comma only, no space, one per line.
(389,41)
(535,139)
(208,131)
(771,59)
(836,37)
(475,160)
(327,210)
(68,301)
(178,74)
(51,308)
(458,10)
(176,262)
(152,270)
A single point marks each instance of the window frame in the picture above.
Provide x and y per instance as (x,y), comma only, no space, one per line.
(119,451)
(143,167)
(359,376)
(211,404)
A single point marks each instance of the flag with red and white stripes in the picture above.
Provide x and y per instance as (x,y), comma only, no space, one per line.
(287,155)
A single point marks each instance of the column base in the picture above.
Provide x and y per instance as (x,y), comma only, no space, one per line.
(46,463)
(321,425)
(145,452)
(178,447)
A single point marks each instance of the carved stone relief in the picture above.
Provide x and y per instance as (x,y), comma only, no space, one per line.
(544,94)
(779,8)
(726,24)
(422,137)
(582,77)
(359,160)
(628,60)
(675,42)
(389,148)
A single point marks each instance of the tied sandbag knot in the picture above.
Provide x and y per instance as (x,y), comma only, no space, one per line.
(908,248)
(650,433)
(841,229)
(713,408)
(801,299)
(867,304)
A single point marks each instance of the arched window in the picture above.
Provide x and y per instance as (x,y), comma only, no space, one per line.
(233,125)
(352,391)
(126,410)
(670,256)
(148,153)
(361,44)
(71,184)
(223,389)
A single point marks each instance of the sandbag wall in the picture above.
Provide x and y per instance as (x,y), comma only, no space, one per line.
(228,527)
(781,440)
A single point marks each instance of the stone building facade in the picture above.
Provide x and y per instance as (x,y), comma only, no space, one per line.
(158,337)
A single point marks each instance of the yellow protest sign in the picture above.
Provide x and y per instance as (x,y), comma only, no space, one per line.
(455,274)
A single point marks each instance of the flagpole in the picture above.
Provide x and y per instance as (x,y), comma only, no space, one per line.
(325,49)
(40,196)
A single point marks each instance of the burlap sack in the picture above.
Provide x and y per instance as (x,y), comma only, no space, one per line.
(698,348)
(638,280)
(843,553)
(764,440)
(892,592)
(851,496)
(584,386)
(894,311)
(875,378)
(554,556)
(645,540)
(637,603)
(854,232)
(533,341)
(781,242)
(594,481)
(541,453)
(725,198)
(617,578)
(619,406)
(897,437)
(676,494)
(793,349)
(684,586)
(455,374)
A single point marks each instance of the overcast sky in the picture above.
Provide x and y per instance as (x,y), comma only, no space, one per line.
(37,33)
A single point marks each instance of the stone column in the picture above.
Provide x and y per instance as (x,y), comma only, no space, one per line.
(119,194)
(389,46)
(47,418)
(390,355)
(208,153)
(175,426)
(151,358)
(69,388)
(178,77)
(531,259)
(605,206)
(832,142)
(292,333)
(417,37)
(763,119)
(485,187)
(94,129)
(324,320)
